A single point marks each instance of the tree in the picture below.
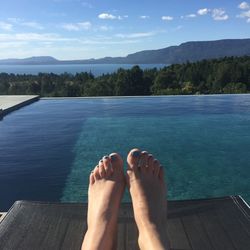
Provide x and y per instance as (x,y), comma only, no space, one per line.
(235,88)
(164,80)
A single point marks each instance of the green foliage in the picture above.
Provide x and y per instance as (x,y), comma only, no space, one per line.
(226,75)
(235,88)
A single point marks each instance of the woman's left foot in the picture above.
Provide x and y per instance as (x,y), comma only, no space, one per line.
(106,187)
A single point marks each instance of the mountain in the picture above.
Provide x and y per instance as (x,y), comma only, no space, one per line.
(189,51)
(193,51)
(31,60)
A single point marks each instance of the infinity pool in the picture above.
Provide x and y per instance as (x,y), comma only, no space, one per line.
(47,149)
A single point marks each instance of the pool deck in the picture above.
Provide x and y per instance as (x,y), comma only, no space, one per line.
(218,224)
(9,103)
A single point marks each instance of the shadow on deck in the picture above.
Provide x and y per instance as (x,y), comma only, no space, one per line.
(221,223)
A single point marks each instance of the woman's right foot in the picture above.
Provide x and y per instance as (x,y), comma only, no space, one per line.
(145,180)
(106,187)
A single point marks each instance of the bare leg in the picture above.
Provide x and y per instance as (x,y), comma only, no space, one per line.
(106,187)
(145,180)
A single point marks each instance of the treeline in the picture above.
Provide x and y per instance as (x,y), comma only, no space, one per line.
(227,75)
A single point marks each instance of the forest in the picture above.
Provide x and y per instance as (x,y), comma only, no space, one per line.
(216,76)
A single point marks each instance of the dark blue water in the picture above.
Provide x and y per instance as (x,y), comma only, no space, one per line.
(47,149)
(95,69)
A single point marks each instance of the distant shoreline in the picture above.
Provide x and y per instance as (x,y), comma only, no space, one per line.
(139,96)
(168,55)
(95,69)
(216,76)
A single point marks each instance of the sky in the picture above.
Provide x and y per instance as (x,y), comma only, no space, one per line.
(83,29)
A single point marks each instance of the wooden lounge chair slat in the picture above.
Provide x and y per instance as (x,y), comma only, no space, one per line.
(221,223)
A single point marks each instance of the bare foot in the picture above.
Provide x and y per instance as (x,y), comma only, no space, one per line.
(106,187)
(145,180)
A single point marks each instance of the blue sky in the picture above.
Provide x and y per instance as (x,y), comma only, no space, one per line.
(82,29)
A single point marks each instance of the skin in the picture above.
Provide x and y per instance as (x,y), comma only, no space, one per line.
(106,187)
(145,181)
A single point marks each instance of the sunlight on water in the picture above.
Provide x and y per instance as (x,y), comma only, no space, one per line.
(198,152)
(49,148)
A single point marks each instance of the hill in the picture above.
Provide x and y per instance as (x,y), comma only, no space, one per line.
(189,51)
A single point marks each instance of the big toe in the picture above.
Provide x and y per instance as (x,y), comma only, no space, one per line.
(133,159)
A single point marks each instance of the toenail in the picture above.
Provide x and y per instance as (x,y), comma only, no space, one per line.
(136,153)
(106,157)
(113,157)
(155,161)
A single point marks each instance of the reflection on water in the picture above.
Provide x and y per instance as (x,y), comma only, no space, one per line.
(48,148)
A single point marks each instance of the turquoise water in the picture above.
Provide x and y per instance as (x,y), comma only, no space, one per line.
(48,148)
(96,69)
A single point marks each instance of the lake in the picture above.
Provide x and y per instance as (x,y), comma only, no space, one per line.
(47,149)
(95,69)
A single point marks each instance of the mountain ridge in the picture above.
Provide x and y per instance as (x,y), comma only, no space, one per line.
(189,51)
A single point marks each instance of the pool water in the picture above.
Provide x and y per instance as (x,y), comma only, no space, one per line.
(47,149)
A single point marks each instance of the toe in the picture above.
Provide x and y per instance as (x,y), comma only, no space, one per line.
(96,173)
(107,165)
(133,159)
(150,163)
(116,162)
(143,161)
(156,167)
(102,171)
(91,178)
(130,177)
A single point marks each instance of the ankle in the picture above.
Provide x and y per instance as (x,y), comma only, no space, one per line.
(98,237)
(156,233)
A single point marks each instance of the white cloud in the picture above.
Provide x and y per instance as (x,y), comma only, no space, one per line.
(106,16)
(11,45)
(6,26)
(188,16)
(33,37)
(85,25)
(244,6)
(34,25)
(77,26)
(104,28)
(70,27)
(111,17)
(30,24)
(108,42)
(167,18)
(136,35)
(203,12)
(219,15)
(144,17)
(14,20)
(245,15)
